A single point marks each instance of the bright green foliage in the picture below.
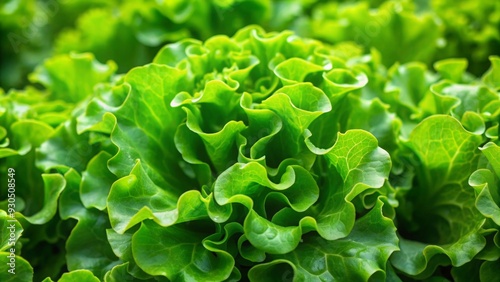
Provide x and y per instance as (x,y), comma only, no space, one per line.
(261,156)
(360,256)
(402,30)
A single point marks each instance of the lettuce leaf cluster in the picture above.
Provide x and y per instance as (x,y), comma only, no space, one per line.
(261,157)
(402,30)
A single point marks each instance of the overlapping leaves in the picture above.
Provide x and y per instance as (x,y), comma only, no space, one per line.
(232,153)
(262,153)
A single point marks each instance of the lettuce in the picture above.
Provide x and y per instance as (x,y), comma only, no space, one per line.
(260,156)
(403,31)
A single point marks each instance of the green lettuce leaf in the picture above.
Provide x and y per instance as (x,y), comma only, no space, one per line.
(179,252)
(486,183)
(362,255)
(71,78)
(446,154)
